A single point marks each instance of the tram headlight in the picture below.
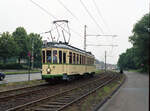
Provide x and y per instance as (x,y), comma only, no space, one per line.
(48,70)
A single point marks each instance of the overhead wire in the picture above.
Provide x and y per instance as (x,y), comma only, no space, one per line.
(51,15)
(91,16)
(61,3)
(43,9)
(100,14)
(105,23)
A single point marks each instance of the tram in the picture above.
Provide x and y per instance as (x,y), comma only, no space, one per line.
(65,62)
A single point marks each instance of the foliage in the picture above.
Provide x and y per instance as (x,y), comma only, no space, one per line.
(21,38)
(11,66)
(19,44)
(138,55)
(8,46)
(36,46)
(127,59)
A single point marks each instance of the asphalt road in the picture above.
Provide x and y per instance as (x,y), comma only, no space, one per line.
(132,96)
(20,77)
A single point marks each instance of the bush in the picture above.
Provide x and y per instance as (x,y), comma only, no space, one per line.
(12,66)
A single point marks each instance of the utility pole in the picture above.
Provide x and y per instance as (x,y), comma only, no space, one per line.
(85,37)
(96,35)
(32,57)
(105,61)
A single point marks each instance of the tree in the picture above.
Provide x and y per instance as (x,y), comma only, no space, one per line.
(8,47)
(36,42)
(141,41)
(138,55)
(127,60)
(21,38)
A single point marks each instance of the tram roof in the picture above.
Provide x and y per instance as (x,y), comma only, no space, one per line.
(65,46)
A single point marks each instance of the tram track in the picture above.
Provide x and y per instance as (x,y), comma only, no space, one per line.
(20,91)
(14,99)
(65,98)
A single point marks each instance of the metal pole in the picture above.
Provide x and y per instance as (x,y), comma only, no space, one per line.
(29,69)
(85,38)
(32,53)
(105,61)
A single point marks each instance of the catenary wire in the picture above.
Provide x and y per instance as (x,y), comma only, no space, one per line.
(91,16)
(52,15)
(100,14)
(61,3)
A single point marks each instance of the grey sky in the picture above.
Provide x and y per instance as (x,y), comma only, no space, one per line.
(119,16)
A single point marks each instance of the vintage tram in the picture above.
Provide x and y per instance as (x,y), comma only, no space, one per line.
(65,62)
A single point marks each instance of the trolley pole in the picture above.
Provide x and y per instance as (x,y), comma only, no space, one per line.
(105,61)
(85,38)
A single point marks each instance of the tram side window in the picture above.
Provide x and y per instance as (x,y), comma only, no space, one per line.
(64,57)
(87,60)
(77,58)
(43,55)
(60,57)
(55,56)
(74,58)
(80,60)
(90,61)
(48,55)
(70,57)
(83,60)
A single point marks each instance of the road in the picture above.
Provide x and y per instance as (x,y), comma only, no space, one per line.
(132,96)
(20,77)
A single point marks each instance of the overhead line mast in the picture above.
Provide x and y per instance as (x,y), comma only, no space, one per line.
(85,36)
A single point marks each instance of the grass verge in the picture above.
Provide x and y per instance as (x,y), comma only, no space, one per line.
(90,102)
(99,71)
(14,85)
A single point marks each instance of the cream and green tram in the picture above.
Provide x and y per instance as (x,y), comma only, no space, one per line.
(63,61)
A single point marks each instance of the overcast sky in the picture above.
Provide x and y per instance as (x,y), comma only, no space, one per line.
(110,17)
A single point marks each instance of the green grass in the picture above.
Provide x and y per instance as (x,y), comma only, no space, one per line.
(133,70)
(93,99)
(107,89)
(16,85)
(98,71)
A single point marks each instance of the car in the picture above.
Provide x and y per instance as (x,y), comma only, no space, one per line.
(2,76)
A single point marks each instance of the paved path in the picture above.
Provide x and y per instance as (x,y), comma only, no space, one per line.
(133,95)
(20,77)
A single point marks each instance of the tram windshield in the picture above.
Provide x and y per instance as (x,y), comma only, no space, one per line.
(55,56)
(49,57)
(43,56)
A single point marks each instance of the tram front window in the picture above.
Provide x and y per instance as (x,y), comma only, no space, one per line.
(55,56)
(49,58)
(43,56)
